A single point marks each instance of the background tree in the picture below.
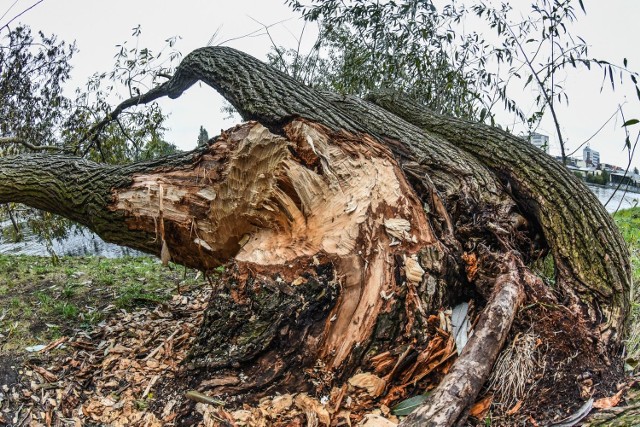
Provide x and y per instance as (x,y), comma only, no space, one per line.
(429,53)
(33,71)
(36,115)
(203,136)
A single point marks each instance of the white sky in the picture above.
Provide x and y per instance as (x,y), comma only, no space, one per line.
(610,27)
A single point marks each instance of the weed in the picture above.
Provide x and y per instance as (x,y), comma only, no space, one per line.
(67,310)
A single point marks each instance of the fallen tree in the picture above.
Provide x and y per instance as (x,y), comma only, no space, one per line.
(345,227)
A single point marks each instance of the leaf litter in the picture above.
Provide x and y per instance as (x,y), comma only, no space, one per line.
(117,374)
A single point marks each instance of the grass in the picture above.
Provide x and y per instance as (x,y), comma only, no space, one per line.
(628,221)
(41,301)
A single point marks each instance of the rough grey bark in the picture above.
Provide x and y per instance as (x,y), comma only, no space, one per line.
(80,190)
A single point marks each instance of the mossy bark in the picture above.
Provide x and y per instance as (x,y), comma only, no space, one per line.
(591,258)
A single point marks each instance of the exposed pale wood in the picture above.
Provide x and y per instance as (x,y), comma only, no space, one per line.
(344,223)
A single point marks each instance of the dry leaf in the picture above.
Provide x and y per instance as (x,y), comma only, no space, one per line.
(373,384)
(608,402)
(515,408)
(480,408)
(54,344)
(471,261)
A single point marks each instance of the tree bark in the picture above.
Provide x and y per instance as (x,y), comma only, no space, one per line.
(344,228)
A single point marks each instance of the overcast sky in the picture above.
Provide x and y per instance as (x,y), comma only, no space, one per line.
(610,27)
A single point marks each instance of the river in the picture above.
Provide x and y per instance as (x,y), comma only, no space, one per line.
(620,200)
(81,242)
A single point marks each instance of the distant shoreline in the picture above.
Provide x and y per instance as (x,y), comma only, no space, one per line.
(622,189)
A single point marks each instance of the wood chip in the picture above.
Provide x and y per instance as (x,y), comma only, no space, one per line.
(373,384)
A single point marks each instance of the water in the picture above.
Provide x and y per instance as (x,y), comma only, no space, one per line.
(620,198)
(79,242)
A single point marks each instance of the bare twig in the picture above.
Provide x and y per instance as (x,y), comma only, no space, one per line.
(17,140)
(20,14)
(626,171)
(595,134)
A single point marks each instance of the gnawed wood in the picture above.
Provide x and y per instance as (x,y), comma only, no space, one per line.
(591,258)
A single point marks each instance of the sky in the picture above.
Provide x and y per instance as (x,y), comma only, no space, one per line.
(609,27)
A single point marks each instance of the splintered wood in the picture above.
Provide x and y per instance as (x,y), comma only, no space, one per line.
(119,375)
(266,199)
(110,376)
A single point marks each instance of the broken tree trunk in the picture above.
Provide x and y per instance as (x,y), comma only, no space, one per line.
(344,229)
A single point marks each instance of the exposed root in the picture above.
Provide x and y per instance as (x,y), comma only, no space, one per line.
(513,372)
(457,391)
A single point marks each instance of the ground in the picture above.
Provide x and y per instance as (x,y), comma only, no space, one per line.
(91,340)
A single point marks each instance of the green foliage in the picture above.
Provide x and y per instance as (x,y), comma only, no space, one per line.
(425,50)
(137,134)
(602,179)
(407,406)
(33,71)
(409,46)
(628,221)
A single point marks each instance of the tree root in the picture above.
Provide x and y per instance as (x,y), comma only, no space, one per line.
(449,402)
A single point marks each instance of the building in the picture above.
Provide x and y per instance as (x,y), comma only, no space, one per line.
(591,157)
(540,141)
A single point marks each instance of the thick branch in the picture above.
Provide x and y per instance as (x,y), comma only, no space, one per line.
(25,143)
(80,190)
(262,93)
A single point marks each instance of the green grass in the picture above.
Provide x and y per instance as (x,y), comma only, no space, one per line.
(628,221)
(41,300)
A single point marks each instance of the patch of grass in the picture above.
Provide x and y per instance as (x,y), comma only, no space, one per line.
(67,310)
(628,221)
(138,294)
(43,301)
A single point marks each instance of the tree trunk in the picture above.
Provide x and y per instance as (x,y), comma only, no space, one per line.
(344,230)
